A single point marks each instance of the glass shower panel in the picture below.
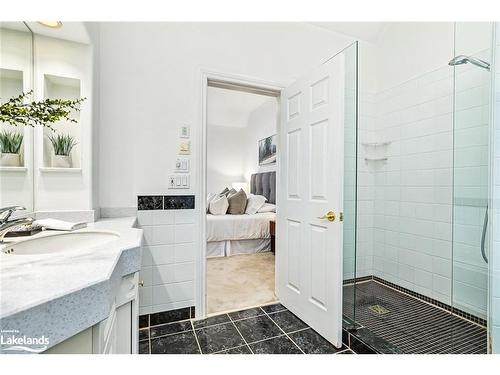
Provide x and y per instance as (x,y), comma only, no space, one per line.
(350,173)
(471,169)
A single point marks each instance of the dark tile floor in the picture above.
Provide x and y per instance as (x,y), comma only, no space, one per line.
(268,329)
(409,324)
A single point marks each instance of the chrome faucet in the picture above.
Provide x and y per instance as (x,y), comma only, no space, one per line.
(7,225)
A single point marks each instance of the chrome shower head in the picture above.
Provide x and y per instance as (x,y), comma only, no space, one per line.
(462,59)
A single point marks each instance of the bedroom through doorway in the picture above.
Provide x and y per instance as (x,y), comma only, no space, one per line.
(241,149)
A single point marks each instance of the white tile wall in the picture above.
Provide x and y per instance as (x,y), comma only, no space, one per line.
(168,260)
(413,190)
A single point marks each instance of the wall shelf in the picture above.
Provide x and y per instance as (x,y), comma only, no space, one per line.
(375,159)
(13,169)
(59,87)
(60,170)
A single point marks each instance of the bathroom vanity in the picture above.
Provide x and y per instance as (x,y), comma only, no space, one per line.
(80,294)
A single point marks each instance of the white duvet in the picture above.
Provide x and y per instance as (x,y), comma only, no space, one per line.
(238,227)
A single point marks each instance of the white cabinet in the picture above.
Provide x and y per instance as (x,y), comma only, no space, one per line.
(117,334)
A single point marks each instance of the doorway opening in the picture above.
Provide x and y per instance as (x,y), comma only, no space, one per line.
(241,143)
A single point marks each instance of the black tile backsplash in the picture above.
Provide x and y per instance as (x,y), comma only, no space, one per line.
(150,202)
(179,202)
(143,321)
(165,202)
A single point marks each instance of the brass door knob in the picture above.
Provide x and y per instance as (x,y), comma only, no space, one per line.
(330,216)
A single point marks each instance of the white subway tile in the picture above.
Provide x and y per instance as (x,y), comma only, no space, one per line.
(185,233)
(163,234)
(163,217)
(169,293)
(162,254)
(185,217)
(145,217)
(172,273)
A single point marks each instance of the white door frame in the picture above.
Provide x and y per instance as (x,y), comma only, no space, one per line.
(206,75)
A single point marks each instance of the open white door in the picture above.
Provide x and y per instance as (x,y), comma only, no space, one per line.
(309,254)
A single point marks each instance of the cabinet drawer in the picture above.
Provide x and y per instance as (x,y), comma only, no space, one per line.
(128,289)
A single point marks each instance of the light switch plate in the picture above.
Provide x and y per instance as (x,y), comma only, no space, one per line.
(178,181)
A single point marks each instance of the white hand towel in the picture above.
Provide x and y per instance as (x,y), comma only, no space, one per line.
(60,224)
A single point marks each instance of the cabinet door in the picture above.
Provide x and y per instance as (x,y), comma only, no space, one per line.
(123,329)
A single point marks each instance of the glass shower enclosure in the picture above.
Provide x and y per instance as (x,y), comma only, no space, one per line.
(422,182)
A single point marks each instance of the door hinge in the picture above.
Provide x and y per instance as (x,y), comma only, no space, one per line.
(341,216)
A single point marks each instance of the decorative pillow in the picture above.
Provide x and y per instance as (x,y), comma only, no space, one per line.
(237,203)
(225,192)
(210,197)
(254,202)
(218,205)
(267,207)
(231,192)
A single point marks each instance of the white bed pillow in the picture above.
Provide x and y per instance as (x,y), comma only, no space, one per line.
(267,207)
(254,202)
(210,197)
(218,205)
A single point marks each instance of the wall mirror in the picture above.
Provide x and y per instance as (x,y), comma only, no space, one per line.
(16,142)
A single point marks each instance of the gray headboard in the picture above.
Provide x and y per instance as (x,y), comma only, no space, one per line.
(264,184)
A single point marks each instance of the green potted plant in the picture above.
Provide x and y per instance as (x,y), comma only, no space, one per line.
(10,146)
(62,145)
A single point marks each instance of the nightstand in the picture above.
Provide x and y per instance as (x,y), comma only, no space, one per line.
(272,229)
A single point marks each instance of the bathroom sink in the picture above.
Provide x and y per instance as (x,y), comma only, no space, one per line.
(59,242)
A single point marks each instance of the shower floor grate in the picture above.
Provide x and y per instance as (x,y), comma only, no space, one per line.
(411,325)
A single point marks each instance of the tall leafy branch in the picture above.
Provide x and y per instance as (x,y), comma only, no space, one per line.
(16,111)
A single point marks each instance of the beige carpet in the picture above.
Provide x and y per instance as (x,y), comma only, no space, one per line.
(240,281)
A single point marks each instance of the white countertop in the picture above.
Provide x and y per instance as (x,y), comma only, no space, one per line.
(73,285)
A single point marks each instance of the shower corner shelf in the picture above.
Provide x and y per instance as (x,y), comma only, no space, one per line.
(60,170)
(375,159)
(376,144)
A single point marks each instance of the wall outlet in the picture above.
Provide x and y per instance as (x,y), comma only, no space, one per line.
(178,182)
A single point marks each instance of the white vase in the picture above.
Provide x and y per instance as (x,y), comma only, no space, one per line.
(10,160)
(61,161)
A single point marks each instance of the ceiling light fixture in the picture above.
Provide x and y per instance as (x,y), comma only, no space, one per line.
(51,24)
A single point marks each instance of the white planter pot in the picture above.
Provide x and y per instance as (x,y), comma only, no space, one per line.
(61,161)
(10,160)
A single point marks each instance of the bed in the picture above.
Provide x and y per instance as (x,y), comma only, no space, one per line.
(243,234)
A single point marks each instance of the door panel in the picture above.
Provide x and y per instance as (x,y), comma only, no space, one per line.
(309,255)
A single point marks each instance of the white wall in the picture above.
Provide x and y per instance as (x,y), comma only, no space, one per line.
(407,50)
(232,152)
(150,85)
(262,123)
(58,191)
(225,157)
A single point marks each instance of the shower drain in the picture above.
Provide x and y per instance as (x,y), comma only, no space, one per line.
(377,309)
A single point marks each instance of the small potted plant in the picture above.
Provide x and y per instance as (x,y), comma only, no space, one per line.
(10,146)
(62,145)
